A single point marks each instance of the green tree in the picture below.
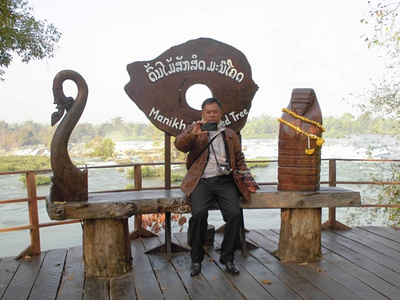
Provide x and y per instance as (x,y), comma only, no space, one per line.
(83,132)
(383,98)
(22,34)
(103,148)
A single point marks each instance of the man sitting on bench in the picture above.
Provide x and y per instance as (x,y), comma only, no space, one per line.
(215,154)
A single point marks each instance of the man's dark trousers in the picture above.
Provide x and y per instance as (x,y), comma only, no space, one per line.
(223,190)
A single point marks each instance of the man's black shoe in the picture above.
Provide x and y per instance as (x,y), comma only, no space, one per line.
(232,268)
(196,269)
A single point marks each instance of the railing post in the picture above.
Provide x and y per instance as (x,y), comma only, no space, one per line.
(33,213)
(138,231)
(138,186)
(332,223)
(137,170)
(332,182)
(332,172)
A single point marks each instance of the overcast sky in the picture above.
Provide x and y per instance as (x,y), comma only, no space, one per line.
(289,44)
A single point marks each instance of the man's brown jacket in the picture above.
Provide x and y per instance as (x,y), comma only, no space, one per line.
(186,143)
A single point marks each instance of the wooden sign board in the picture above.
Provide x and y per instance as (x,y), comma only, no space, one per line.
(158,87)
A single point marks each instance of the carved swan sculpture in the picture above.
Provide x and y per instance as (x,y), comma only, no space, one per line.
(68,182)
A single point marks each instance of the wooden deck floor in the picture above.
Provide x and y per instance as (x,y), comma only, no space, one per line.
(362,263)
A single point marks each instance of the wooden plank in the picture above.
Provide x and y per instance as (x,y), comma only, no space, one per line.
(122,287)
(23,280)
(247,285)
(146,284)
(270,197)
(49,277)
(96,288)
(293,280)
(170,283)
(218,280)
(8,267)
(379,277)
(198,287)
(366,276)
(391,264)
(120,205)
(385,231)
(371,243)
(376,237)
(346,280)
(73,280)
(271,234)
(322,282)
(212,273)
(126,204)
(269,243)
(260,273)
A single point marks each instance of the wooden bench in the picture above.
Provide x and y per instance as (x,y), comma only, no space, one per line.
(106,244)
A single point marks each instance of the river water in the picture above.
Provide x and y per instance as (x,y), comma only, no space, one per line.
(359,146)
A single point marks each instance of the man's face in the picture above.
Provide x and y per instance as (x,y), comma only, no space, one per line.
(211,113)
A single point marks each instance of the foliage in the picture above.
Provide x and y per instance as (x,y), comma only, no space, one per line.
(100,147)
(260,127)
(386,194)
(40,179)
(129,186)
(123,161)
(383,98)
(176,177)
(26,134)
(22,163)
(130,173)
(384,16)
(14,136)
(154,171)
(147,171)
(22,34)
(156,222)
(259,164)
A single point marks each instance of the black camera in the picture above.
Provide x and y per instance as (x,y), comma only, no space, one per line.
(212,126)
(224,169)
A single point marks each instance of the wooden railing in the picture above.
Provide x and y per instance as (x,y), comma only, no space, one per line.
(32,198)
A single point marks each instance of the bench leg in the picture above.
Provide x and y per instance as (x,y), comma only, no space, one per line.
(139,231)
(106,247)
(300,234)
(169,247)
(332,224)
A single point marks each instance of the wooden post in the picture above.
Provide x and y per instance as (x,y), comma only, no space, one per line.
(139,231)
(300,234)
(169,246)
(106,247)
(33,213)
(331,223)
(332,182)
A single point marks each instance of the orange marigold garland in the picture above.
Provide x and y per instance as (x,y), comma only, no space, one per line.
(319,140)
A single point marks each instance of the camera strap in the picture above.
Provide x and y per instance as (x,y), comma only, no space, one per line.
(226,152)
(201,152)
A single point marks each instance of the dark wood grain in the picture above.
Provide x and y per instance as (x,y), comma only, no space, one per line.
(350,268)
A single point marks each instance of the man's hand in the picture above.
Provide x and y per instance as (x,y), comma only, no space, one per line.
(252,189)
(197,128)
